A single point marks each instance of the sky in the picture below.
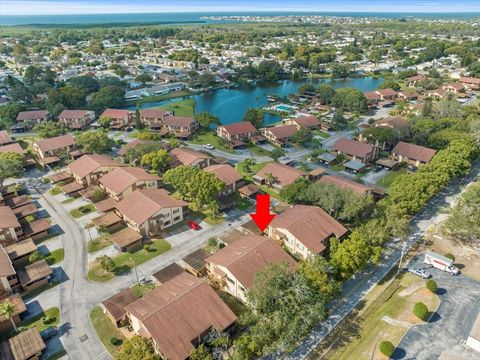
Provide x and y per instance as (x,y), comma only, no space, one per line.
(48,7)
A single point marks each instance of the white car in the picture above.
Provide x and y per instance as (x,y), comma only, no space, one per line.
(420,272)
(208,146)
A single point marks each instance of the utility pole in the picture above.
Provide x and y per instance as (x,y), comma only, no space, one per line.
(401,256)
(135,268)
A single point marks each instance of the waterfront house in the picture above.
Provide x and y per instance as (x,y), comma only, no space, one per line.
(356,150)
(234,267)
(305,230)
(149,211)
(154,118)
(122,181)
(226,173)
(76,119)
(180,126)
(237,133)
(179,315)
(412,154)
(278,175)
(280,135)
(189,157)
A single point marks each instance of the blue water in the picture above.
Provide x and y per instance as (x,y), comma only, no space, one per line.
(189,17)
(231,104)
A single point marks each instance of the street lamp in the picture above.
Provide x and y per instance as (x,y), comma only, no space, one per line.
(401,255)
(135,268)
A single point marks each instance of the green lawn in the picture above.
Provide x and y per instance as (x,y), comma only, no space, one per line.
(388,179)
(36,321)
(68,200)
(55,256)
(124,262)
(321,133)
(233,303)
(241,203)
(141,290)
(106,330)
(338,167)
(255,168)
(155,98)
(257,150)
(98,244)
(55,191)
(181,108)
(82,210)
(209,137)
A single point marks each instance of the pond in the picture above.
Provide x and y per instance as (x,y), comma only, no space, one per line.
(231,104)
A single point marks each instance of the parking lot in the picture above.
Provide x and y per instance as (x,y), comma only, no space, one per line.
(450,325)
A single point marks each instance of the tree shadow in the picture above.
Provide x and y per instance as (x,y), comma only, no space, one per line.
(398,354)
(434,317)
(441,291)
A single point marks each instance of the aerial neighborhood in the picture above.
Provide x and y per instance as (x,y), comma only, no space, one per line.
(137,164)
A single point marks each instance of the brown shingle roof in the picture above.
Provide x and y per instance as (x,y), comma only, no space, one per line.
(153,113)
(140,205)
(132,145)
(249,255)
(171,314)
(174,121)
(372,95)
(414,152)
(37,226)
(387,92)
(105,205)
(116,113)
(393,121)
(89,163)
(8,219)
(353,147)
(26,344)
(21,248)
(343,183)
(15,299)
(168,273)
(242,127)
(32,115)
(122,178)
(4,137)
(25,210)
(187,156)
(125,237)
(6,267)
(55,143)
(116,304)
(15,148)
(311,225)
(36,271)
(225,173)
(283,174)
(307,122)
(283,131)
(107,219)
(18,201)
(73,114)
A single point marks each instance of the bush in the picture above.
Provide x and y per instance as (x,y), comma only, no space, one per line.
(387,348)
(432,285)
(420,310)
(450,256)
(115,341)
(35,256)
(47,320)
(146,247)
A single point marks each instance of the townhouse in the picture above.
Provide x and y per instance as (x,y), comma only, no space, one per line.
(280,135)
(50,150)
(10,228)
(471,83)
(305,230)
(234,267)
(33,117)
(76,119)
(189,157)
(356,150)
(5,138)
(343,183)
(154,118)
(179,126)
(119,118)
(412,154)
(305,122)
(278,175)
(238,133)
(230,177)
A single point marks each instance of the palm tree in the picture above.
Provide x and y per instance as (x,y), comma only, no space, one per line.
(269,179)
(7,309)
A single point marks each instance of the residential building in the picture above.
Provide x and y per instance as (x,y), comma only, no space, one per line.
(119,118)
(408,94)
(189,157)
(387,94)
(356,150)
(180,126)
(115,305)
(392,122)
(149,211)
(8,275)
(356,187)
(455,88)
(122,181)
(305,230)
(154,118)
(77,119)
(20,308)
(470,83)
(280,135)
(179,315)
(373,99)
(234,267)
(53,147)
(304,122)
(226,173)
(278,175)
(15,147)
(27,345)
(10,228)
(412,154)
(89,168)
(33,116)
(237,133)
(5,138)
(34,275)
(414,80)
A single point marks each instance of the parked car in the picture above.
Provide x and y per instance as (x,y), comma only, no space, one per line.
(193,225)
(420,272)
(48,333)
(208,146)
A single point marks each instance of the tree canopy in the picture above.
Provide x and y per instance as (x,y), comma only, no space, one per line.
(95,141)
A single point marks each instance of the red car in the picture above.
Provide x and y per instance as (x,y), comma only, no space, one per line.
(193,225)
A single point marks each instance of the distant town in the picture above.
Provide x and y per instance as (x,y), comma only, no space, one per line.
(294,187)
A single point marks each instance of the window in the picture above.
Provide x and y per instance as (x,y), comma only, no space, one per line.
(166,223)
(176,211)
(176,218)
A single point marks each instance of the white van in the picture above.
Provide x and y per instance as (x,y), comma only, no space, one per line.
(440,262)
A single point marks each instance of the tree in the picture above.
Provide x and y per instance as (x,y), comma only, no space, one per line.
(49,129)
(98,195)
(136,153)
(106,262)
(9,168)
(431,285)
(269,179)
(339,121)
(316,269)
(387,348)
(200,353)
(420,310)
(194,184)
(105,122)
(255,116)
(148,135)
(158,160)
(325,94)
(96,142)
(302,136)
(35,256)
(143,78)
(138,348)
(291,192)
(306,88)
(108,97)
(8,114)
(206,119)
(139,125)
(349,99)
(276,153)
(86,82)
(8,310)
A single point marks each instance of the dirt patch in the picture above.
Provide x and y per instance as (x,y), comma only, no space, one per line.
(424,295)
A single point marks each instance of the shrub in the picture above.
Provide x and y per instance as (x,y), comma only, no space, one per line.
(98,195)
(115,341)
(432,285)
(146,247)
(420,310)
(212,242)
(35,256)
(450,256)
(47,320)
(387,348)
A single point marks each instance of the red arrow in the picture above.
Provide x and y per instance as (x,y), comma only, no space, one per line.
(263,217)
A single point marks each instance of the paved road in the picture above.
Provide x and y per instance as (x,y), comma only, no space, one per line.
(450,326)
(358,286)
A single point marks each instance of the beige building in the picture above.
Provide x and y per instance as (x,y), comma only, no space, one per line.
(10,228)
(122,181)
(76,119)
(89,168)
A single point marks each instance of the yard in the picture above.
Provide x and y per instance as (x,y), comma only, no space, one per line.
(106,330)
(53,315)
(82,211)
(141,290)
(55,256)
(385,314)
(242,169)
(388,179)
(98,244)
(126,261)
(181,108)
(55,191)
(321,133)
(209,137)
